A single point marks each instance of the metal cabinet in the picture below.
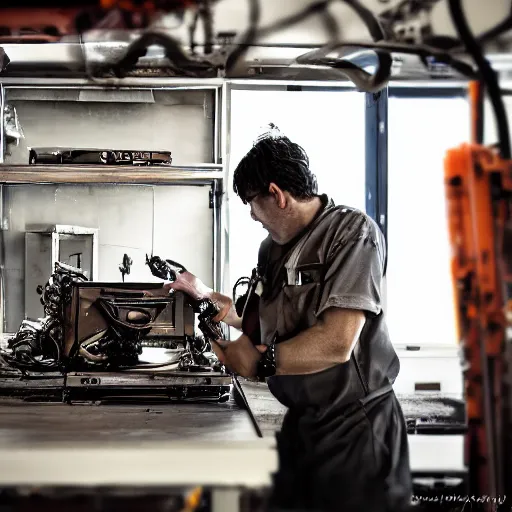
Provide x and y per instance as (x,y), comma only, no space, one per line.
(46,245)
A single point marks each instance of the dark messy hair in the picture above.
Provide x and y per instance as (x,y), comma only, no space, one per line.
(274,158)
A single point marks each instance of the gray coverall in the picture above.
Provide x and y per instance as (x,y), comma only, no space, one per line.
(343,443)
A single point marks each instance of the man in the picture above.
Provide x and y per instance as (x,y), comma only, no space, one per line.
(322,340)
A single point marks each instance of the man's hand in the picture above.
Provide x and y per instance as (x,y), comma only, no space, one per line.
(240,356)
(191,285)
(197,290)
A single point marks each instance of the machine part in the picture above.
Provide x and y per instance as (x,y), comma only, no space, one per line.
(164,269)
(39,344)
(113,322)
(125,267)
(193,499)
(205,308)
(320,56)
(410,21)
(480,215)
(4,60)
(168,383)
(179,61)
(353,68)
(61,156)
(103,326)
(12,128)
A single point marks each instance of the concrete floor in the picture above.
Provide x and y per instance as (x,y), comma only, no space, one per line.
(266,409)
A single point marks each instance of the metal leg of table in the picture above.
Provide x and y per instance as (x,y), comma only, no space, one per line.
(225,500)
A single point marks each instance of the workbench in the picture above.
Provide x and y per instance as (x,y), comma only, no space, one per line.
(160,445)
(178,445)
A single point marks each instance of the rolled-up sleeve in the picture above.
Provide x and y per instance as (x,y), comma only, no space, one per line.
(354,268)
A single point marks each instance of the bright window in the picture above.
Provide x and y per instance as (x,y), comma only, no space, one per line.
(420,301)
(331,128)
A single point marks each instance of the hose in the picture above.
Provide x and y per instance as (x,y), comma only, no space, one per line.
(488,76)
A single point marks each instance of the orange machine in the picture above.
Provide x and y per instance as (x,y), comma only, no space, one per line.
(479,193)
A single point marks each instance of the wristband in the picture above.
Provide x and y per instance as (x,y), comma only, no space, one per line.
(223,304)
(267,365)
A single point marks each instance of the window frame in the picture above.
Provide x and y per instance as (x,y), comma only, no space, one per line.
(377,135)
(259,85)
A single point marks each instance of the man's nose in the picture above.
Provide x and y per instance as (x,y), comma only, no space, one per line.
(253,217)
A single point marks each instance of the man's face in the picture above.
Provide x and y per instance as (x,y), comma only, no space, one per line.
(265,210)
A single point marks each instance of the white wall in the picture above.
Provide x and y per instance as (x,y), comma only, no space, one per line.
(420,300)
(180,122)
(173,222)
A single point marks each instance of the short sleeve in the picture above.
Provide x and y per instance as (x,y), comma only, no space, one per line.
(354,269)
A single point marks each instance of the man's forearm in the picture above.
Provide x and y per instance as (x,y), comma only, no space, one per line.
(233,319)
(320,347)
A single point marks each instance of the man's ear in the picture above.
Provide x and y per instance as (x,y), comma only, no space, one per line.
(278,195)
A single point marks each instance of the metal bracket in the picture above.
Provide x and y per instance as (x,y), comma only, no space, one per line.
(377,158)
(4,60)
(215,196)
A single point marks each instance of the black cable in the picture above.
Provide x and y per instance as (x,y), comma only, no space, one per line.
(239,389)
(372,24)
(248,38)
(253,33)
(331,25)
(497,30)
(207,18)
(138,49)
(370,20)
(180,61)
(240,281)
(489,77)
(315,8)
(192,31)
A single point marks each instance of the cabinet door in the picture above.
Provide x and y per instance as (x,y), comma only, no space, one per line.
(77,251)
(39,255)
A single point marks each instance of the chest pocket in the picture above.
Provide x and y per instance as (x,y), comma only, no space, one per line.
(300,297)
